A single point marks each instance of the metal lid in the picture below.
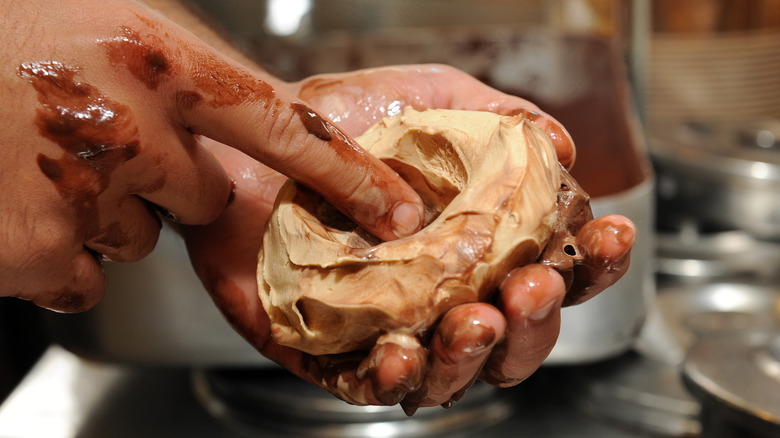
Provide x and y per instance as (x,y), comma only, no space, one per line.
(739,376)
(635,391)
(684,313)
(643,389)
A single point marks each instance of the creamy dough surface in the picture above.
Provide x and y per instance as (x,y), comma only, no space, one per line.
(490,186)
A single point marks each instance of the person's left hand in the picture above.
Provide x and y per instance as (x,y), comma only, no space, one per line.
(502,344)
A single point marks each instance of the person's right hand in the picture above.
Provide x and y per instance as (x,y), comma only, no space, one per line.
(103,105)
(500,342)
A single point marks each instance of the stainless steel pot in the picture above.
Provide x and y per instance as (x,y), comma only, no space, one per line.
(720,175)
(737,381)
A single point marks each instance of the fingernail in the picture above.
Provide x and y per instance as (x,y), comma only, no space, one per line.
(602,244)
(390,397)
(406,219)
(470,339)
(544,312)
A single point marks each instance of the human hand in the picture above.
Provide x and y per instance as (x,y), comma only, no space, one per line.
(501,343)
(103,108)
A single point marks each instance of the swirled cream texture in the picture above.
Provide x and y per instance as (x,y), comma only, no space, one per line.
(490,186)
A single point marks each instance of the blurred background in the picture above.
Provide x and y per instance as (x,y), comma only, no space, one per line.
(675,111)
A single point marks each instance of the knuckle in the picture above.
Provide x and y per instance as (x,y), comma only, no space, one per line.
(81,291)
(40,245)
(287,146)
(126,242)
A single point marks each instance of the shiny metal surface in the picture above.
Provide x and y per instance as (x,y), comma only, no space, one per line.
(692,254)
(271,401)
(737,379)
(65,396)
(712,173)
(684,313)
(645,388)
(637,391)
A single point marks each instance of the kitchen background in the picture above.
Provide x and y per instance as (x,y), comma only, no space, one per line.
(675,110)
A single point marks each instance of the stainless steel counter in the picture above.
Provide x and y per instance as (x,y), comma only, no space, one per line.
(65,396)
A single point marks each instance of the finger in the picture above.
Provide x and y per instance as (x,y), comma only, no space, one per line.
(236,108)
(224,252)
(474,95)
(183,179)
(530,299)
(458,350)
(44,260)
(129,230)
(389,89)
(605,243)
(394,367)
(561,139)
(83,287)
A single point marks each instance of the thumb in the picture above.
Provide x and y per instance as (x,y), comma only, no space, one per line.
(240,109)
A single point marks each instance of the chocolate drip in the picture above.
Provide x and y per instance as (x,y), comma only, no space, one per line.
(315,124)
(561,251)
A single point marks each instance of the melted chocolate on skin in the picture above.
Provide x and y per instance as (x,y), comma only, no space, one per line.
(343,145)
(225,84)
(187,99)
(147,63)
(323,129)
(148,59)
(218,84)
(465,344)
(96,136)
(357,372)
(315,124)
(562,252)
(66,300)
(95,133)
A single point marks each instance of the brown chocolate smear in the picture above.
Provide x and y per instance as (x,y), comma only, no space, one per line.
(315,124)
(95,134)
(187,99)
(344,146)
(226,84)
(417,280)
(554,130)
(217,82)
(113,236)
(574,211)
(68,301)
(146,62)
